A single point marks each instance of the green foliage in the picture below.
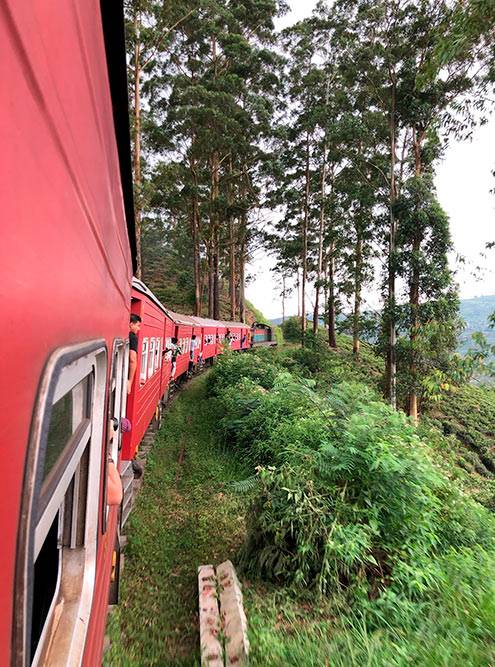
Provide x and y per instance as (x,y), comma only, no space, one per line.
(469,414)
(231,368)
(291,329)
(353,503)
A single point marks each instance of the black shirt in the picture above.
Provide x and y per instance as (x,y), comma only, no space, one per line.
(133,341)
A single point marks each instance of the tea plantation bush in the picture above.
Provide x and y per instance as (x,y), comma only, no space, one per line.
(351,504)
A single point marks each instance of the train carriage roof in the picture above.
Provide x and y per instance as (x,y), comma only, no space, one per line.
(236,325)
(204,321)
(181,319)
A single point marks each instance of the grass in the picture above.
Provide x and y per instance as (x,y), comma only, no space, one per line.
(185,516)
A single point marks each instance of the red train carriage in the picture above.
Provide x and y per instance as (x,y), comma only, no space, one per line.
(237,334)
(208,330)
(153,366)
(185,326)
(66,288)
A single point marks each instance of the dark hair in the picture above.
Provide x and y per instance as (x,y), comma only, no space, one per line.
(134,318)
(174,340)
(193,336)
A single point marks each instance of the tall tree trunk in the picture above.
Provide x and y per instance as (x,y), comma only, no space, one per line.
(215,192)
(391,360)
(358,271)
(137,141)
(325,289)
(332,335)
(232,262)
(243,240)
(305,223)
(195,238)
(321,236)
(283,299)
(414,288)
(211,292)
(242,271)
(215,232)
(298,288)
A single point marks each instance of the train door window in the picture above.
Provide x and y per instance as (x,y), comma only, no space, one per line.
(57,571)
(157,353)
(151,360)
(144,361)
(116,407)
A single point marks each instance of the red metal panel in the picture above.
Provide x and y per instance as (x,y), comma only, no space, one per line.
(209,343)
(66,266)
(183,335)
(145,393)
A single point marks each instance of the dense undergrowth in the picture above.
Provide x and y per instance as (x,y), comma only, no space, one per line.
(353,505)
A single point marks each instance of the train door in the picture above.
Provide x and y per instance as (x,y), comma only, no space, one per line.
(58,531)
(117,395)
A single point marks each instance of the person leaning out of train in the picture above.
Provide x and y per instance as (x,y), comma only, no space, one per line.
(134,326)
(115,491)
(175,350)
(194,347)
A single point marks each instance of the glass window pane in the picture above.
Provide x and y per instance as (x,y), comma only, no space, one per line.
(67,414)
(59,432)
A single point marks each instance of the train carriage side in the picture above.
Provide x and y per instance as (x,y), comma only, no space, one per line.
(234,332)
(153,366)
(66,288)
(209,330)
(184,327)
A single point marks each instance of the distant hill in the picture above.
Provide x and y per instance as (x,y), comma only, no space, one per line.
(475,313)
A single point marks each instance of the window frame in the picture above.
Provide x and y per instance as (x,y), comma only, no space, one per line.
(143,372)
(158,346)
(60,375)
(151,358)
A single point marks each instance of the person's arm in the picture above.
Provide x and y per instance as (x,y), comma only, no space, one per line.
(114,484)
(132,369)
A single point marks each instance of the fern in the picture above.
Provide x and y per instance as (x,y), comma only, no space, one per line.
(243,486)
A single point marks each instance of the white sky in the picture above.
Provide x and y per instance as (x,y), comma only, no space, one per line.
(463,181)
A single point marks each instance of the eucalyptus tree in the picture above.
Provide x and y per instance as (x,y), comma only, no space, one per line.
(210,99)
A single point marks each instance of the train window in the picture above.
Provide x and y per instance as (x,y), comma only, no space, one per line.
(116,409)
(157,353)
(151,360)
(57,552)
(67,415)
(144,361)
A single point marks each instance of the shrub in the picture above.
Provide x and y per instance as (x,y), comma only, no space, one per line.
(230,368)
(291,329)
(362,507)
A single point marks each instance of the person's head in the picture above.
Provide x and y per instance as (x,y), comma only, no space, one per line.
(134,323)
(174,341)
(193,337)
